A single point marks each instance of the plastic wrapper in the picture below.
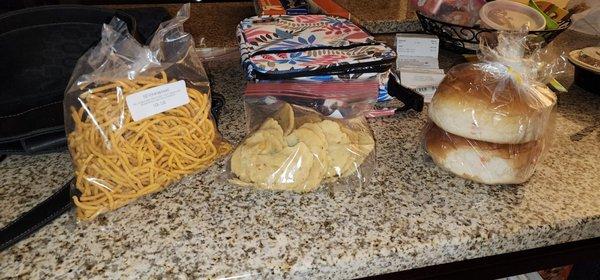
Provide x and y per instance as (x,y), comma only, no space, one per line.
(492,121)
(138,117)
(587,18)
(461,12)
(306,135)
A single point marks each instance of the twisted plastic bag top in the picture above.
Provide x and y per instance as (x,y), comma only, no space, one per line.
(514,67)
(119,55)
(522,54)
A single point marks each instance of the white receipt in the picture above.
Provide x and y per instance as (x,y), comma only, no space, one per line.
(417,62)
(417,45)
(417,50)
(156,100)
(423,82)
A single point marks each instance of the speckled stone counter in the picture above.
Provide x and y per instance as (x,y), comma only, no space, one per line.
(215,22)
(382,16)
(413,214)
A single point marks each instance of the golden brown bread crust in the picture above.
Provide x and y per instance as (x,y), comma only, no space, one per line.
(520,157)
(481,101)
(487,87)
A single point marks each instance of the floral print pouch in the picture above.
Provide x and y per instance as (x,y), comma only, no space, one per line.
(312,47)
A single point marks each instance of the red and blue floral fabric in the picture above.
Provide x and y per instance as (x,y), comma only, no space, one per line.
(312,47)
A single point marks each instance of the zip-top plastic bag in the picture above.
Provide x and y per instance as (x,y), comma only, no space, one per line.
(138,117)
(492,121)
(305,135)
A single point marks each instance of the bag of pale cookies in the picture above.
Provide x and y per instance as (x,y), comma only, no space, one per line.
(303,136)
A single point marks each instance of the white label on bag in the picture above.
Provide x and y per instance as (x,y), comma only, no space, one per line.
(156,100)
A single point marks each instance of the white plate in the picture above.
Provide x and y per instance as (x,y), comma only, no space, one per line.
(593,52)
(509,15)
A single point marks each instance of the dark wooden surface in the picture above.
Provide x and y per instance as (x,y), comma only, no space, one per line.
(505,265)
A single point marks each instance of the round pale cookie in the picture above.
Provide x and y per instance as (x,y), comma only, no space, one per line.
(304,115)
(338,143)
(267,139)
(312,135)
(286,170)
(285,118)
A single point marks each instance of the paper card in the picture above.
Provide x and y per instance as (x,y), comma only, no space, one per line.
(420,79)
(421,45)
(156,100)
(417,62)
(423,82)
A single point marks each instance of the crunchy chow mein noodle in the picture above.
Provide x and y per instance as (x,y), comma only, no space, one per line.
(118,160)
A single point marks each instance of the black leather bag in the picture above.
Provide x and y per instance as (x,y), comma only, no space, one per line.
(38,50)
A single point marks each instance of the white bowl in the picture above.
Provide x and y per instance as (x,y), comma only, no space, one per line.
(509,15)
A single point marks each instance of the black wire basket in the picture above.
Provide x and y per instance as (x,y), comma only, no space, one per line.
(464,39)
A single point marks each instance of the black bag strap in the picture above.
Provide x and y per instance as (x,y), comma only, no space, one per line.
(43,213)
(410,98)
(37,130)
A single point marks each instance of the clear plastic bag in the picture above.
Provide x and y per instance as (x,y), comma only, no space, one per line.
(587,16)
(138,117)
(461,12)
(492,121)
(306,135)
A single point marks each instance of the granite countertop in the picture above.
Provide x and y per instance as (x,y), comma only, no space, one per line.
(413,214)
(382,16)
(215,22)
